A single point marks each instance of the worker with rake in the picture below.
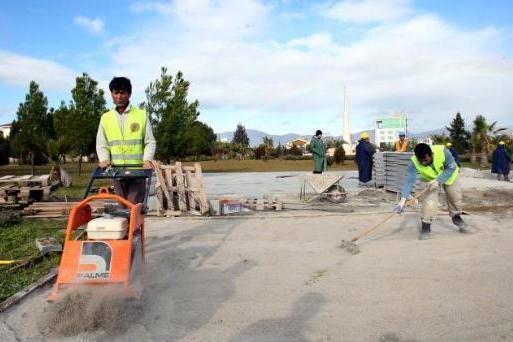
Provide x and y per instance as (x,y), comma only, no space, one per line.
(436,167)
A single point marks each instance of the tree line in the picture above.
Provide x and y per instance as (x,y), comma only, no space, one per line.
(239,148)
(478,142)
(40,134)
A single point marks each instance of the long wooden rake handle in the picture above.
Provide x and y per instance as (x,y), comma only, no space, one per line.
(389,216)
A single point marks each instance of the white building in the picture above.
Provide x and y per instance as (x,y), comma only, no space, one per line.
(387,129)
(6,129)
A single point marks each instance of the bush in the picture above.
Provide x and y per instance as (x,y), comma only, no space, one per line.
(9,218)
(295,151)
(259,151)
(330,160)
(339,155)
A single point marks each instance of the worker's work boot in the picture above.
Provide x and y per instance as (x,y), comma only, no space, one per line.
(458,221)
(506,178)
(425,232)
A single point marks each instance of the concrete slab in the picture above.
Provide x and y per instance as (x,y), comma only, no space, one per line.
(285,279)
(258,184)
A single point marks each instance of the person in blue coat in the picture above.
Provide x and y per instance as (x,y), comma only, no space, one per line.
(454,153)
(500,162)
(363,158)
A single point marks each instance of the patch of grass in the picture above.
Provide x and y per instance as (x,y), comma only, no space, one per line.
(17,243)
(472,165)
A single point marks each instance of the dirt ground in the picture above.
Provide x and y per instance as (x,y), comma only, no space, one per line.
(284,278)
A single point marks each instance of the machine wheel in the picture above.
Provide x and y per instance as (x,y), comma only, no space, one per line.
(336,193)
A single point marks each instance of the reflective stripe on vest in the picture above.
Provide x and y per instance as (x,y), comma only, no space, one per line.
(427,172)
(128,147)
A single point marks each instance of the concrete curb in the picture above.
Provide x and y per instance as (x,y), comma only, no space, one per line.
(15,298)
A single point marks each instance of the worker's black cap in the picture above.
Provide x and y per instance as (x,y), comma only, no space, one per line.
(318,132)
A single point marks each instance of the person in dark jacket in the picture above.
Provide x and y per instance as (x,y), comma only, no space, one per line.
(363,158)
(500,162)
(454,153)
(318,149)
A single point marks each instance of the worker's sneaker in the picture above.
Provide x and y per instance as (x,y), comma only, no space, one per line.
(425,232)
(458,221)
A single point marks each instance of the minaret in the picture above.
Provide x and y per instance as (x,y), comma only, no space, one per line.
(346,134)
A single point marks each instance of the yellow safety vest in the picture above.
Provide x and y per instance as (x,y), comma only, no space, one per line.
(401,147)
(429,173)
(126,148)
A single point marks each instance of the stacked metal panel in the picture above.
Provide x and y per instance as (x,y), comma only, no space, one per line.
(391,170)
(378,169)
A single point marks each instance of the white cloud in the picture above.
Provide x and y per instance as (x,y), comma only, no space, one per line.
(211,17)
(95,26)
(421,65)
(365,11)
(19,70)
(316,41)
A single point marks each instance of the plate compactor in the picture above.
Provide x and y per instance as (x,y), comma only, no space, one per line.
(111,252)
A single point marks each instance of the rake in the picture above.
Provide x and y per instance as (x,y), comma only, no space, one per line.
(352,248)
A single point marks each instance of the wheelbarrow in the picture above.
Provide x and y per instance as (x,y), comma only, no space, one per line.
(325,186)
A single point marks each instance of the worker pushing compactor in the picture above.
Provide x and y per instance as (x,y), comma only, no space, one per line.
(125,138)
(112,250)
(436,167)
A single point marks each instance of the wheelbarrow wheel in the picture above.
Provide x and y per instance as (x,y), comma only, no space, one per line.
(336,193)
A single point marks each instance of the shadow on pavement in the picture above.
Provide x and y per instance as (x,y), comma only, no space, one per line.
(293,327)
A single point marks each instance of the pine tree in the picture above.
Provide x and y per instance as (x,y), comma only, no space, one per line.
(31,128)
(240,136)
(459,136)
(177,129)
(79,122)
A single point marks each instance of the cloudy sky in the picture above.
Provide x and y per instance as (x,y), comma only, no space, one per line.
(279,66)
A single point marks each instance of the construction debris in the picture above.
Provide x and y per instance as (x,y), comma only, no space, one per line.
(48,245)
(263,204)
(56,210)
(22,190)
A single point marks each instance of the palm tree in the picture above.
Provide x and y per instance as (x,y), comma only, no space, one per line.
(483,132)
(268,143)
(335,143)
(474,143)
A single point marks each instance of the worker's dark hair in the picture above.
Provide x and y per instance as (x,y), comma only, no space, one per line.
(121,83)
(318,132)
(421,150)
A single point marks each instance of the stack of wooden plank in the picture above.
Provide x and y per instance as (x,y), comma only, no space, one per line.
(180,189)
(22,190)
(57,209)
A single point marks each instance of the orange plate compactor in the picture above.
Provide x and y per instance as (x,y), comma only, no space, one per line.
(113,252)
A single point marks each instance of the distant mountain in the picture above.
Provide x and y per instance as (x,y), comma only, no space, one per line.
(256,137)
(426,134)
